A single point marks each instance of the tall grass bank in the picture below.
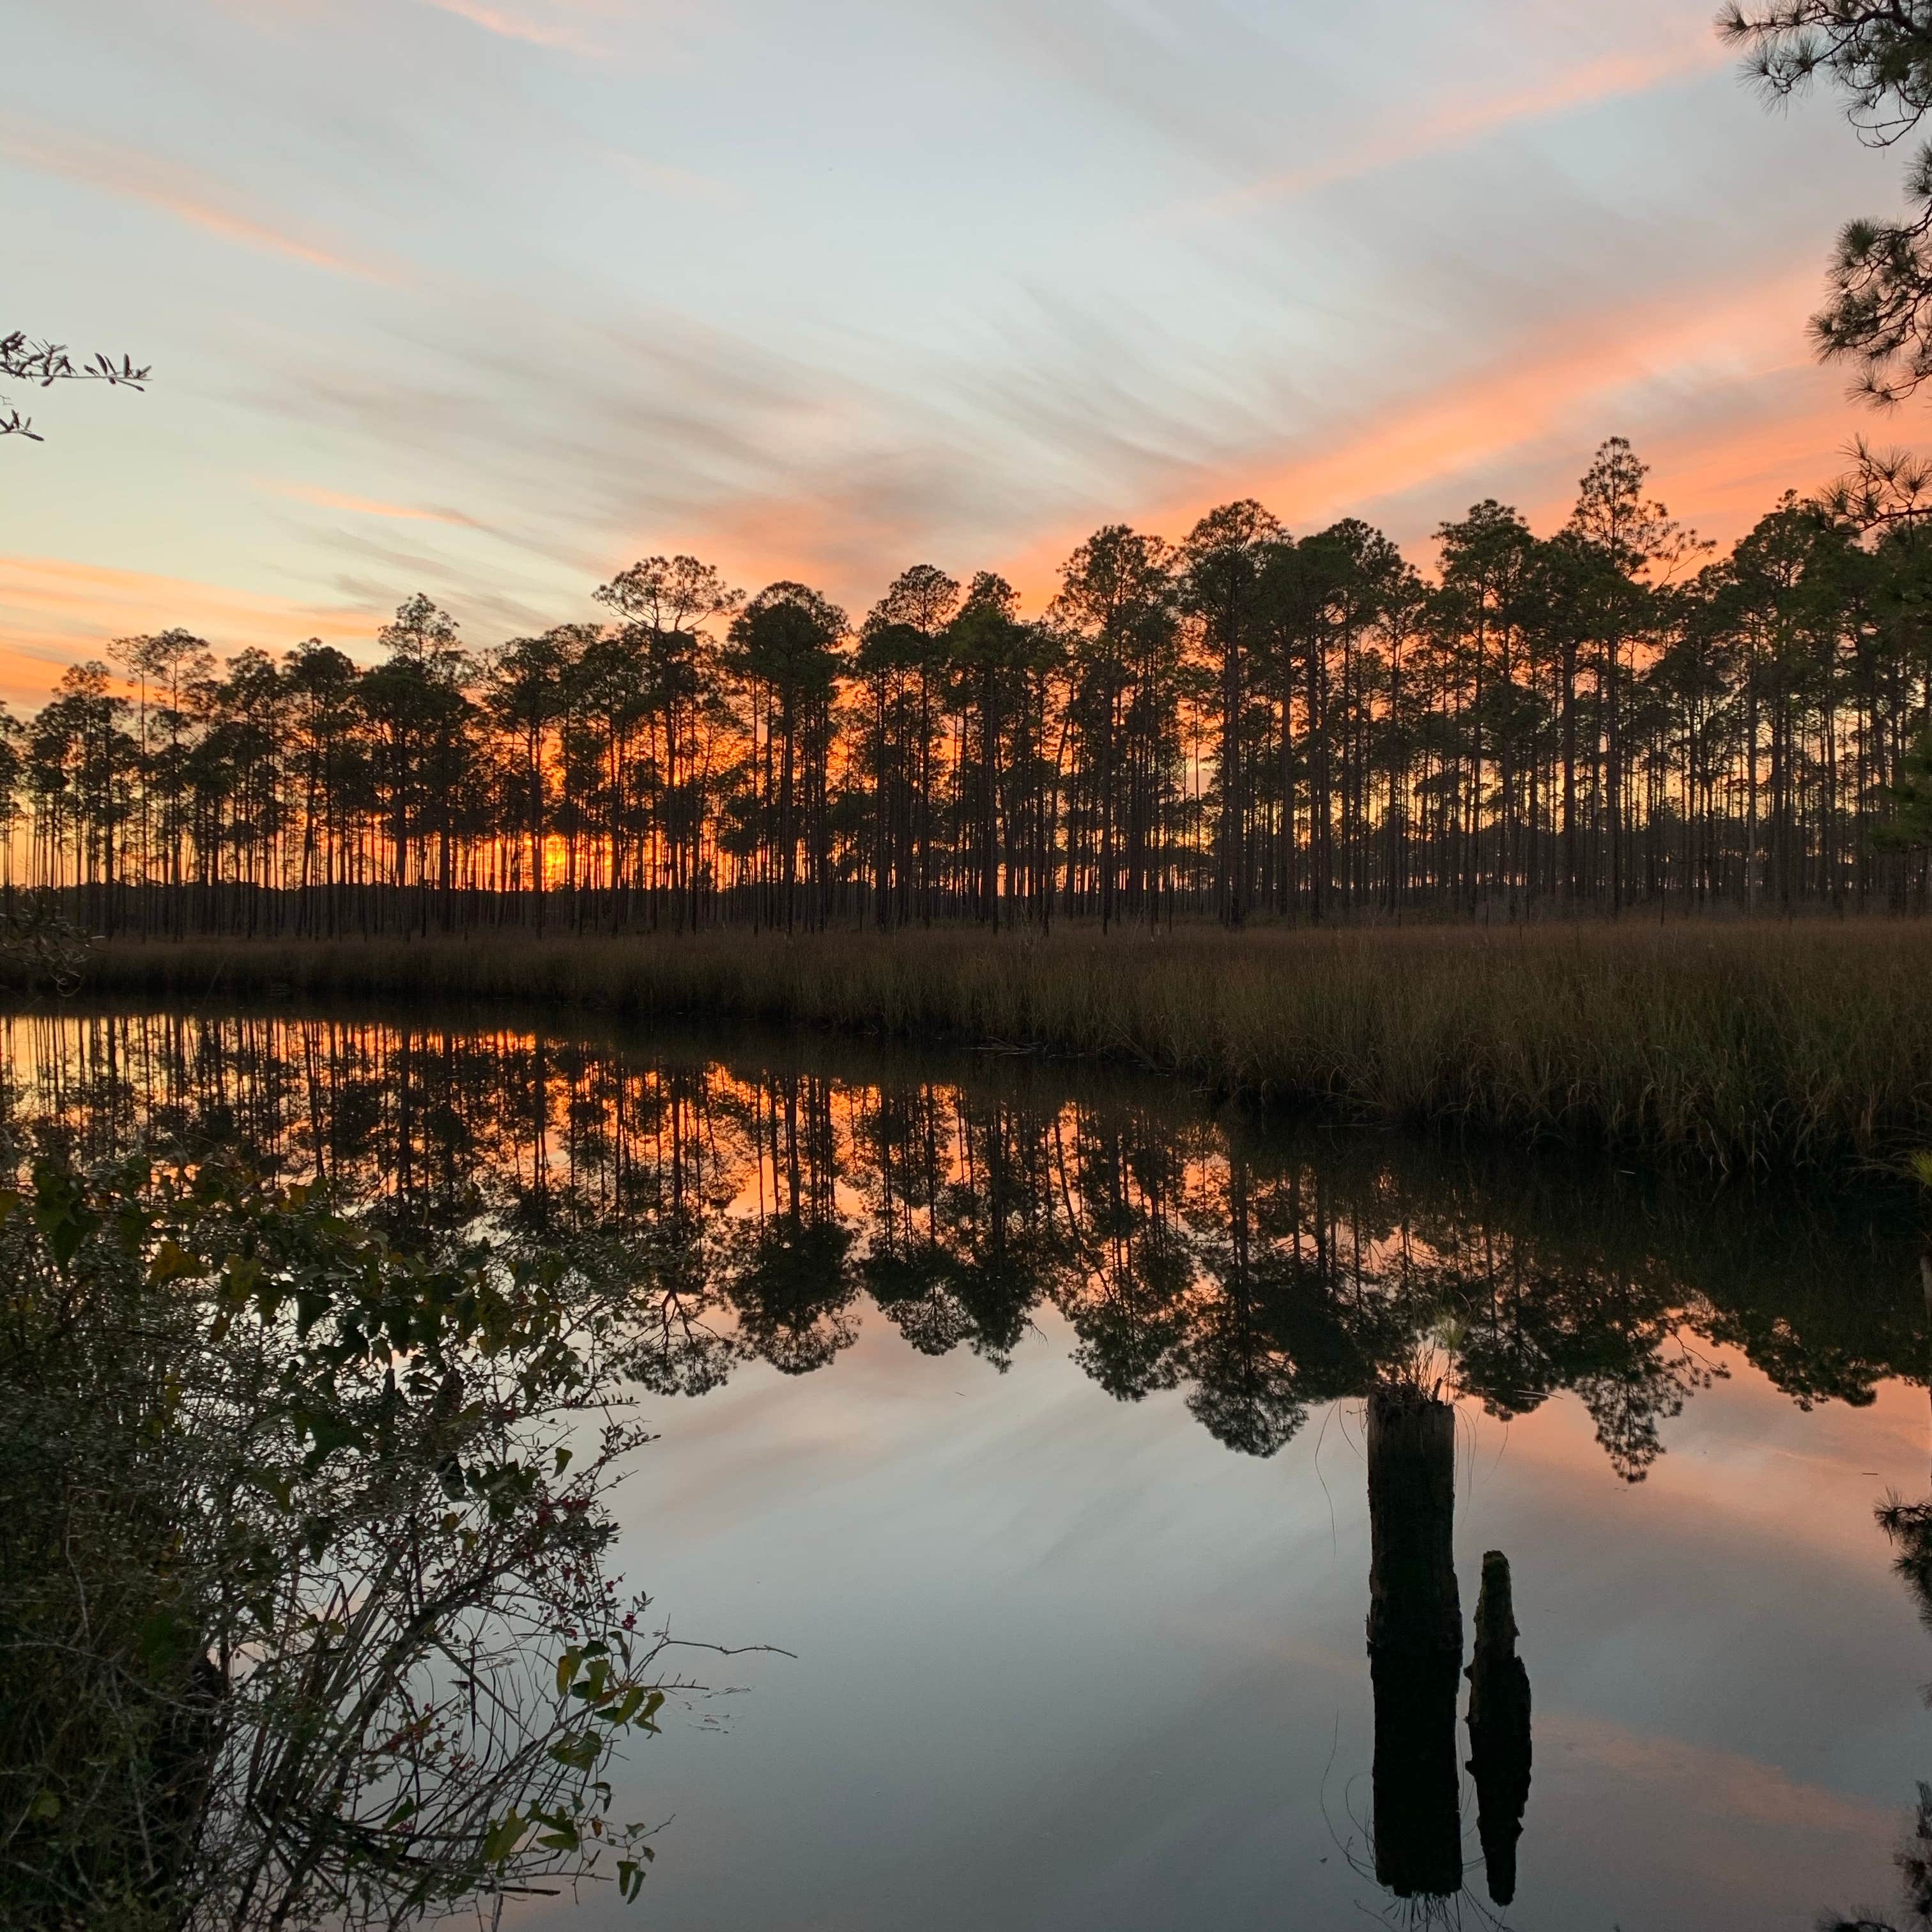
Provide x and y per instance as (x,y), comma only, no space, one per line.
(1728,1047)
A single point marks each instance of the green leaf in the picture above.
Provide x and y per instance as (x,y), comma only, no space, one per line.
(328,1433)
(243,1276)
(60,1212)
(171,1262)
(166,1638)
(579,1753)
(501,1840)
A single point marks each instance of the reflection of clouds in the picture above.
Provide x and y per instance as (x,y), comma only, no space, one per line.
(1713,1787)
(1178,1641)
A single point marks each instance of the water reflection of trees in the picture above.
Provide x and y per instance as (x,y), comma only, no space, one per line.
(749,1208)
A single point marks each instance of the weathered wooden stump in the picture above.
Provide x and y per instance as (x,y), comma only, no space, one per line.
(1415,1642)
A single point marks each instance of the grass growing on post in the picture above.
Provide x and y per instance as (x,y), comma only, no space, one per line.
(1729,1047)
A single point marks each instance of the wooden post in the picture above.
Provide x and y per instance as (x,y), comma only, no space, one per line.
(1498,1728)
(1413,1604)
(1415,1642)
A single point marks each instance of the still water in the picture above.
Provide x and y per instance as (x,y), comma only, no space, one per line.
(1025,1407)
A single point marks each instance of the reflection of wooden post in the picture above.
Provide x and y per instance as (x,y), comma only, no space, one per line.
(1498,1728)
(1925,1282)
(1415,1642)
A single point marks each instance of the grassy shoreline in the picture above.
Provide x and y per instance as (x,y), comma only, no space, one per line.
(1729,1048)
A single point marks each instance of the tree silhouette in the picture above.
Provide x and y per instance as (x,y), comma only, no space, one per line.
(23,359)
(1878,54)
(1247,727)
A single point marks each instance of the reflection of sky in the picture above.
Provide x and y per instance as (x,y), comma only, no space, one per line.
(1066,1663)
(486,297)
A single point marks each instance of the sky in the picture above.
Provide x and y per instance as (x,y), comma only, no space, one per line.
(489,298)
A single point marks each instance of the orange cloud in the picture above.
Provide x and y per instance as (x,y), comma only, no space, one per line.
(55,613)
(1461,123)
(1588,369)
(175,190)
(1576,379)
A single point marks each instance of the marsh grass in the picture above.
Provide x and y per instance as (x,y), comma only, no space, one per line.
(1731,1047)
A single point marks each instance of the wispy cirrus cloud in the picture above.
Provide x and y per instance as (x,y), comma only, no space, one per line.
(176,190)
(359,542)
(1569,374)
(662,178)
(1461,122)
(1533,407)
(550,26)
(371,506)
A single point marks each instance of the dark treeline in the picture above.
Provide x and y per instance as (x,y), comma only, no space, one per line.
(1248,724)
(754,1212)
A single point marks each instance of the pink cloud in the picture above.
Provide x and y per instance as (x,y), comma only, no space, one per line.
(1460,123)
(175,190)
(511,25)
(370,506)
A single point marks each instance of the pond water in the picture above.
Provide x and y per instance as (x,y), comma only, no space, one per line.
(1024,1407)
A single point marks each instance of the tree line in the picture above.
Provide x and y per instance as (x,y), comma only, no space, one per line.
(1246,724)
